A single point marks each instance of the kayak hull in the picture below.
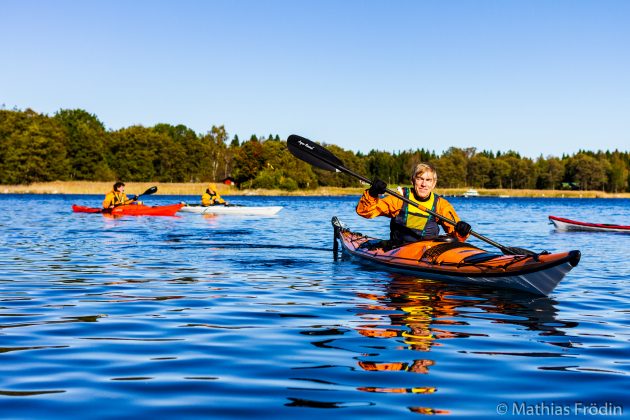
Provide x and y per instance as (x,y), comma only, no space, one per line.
(563,224)
(451,261)
(229,209)
(132,210)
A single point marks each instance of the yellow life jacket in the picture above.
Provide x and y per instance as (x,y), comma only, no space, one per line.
(114,198)
(119,198)
(210,199)
(412,224)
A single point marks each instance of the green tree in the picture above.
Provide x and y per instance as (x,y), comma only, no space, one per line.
(350,160)
(524,174)
(33,149)
(133,152)
(407,161)
(178,155)
(289,172)
(500,174)
(521,173)
(587,171)
(75,145)
(86,137)
(479,170)
(217,158)
(451,168)
(382,165)
(550,172)
(282,170)
(617,174)
(248,161)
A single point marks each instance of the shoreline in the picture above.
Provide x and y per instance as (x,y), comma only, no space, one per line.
(197,188)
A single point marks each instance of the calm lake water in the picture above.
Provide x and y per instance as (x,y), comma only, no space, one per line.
(238,317)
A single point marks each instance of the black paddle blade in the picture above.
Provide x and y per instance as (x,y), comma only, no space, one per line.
(149,191)
(313,153)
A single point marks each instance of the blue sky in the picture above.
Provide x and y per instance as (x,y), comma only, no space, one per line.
(538,77)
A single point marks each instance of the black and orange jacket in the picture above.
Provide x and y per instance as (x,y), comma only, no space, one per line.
(391,206)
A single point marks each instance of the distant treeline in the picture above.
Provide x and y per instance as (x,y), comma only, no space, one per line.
(74,145)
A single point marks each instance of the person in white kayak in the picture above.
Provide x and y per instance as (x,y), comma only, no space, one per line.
(211,197)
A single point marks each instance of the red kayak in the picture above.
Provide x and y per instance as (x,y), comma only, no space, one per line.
(568,224)
(132,210)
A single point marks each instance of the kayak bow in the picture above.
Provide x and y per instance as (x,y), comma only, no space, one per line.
(451,261)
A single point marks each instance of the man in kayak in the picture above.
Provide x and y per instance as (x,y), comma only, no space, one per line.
(117,197)
(409,223)
(211,197)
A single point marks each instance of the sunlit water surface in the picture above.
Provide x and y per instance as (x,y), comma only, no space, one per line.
(234,317)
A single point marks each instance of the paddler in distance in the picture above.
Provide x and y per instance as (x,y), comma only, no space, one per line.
(117,197)
(409,223)
(211,197)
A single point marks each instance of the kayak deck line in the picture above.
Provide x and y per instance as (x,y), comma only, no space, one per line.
(461,262)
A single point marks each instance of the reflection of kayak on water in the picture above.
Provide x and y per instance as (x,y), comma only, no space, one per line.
(231,209)
(452,261)
(561,223)
(422,313)
(132,210)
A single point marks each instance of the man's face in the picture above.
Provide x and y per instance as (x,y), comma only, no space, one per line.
(424,183)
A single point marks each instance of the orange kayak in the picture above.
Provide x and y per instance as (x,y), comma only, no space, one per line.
(451,261)
(132,210)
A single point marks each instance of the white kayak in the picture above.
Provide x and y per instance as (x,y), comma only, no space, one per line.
(567,224)
(231,209)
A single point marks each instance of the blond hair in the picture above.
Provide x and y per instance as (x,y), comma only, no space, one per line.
(421,168)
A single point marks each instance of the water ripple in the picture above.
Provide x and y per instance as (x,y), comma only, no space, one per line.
(230,317)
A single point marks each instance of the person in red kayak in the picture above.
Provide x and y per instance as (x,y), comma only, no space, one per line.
(117,197)
(408,223)
(211,197)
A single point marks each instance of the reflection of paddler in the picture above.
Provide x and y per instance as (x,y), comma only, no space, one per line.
(414,390)
(421,314)
(426,311)
(211,197)
(417,310)
(418,366)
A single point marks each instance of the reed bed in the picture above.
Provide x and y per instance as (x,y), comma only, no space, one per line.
(164,188)
(197,188)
